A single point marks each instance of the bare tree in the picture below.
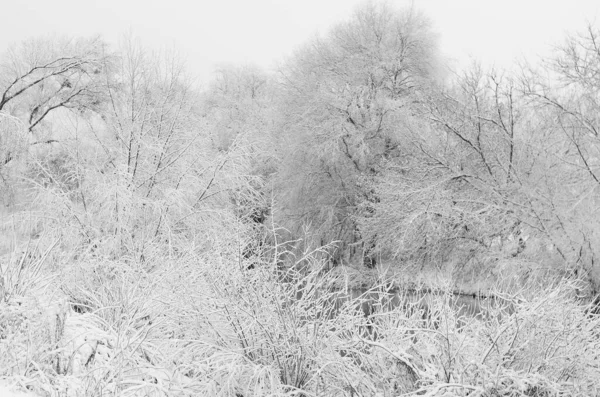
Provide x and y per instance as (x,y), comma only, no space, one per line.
(566,91)
(42,75)
(38,77)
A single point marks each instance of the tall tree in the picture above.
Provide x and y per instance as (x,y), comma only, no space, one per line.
(344,97)
(565,91)
(456,186)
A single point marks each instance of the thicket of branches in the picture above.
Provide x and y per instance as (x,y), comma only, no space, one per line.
(256,236)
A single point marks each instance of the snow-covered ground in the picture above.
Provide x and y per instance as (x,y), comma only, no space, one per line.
(7,390)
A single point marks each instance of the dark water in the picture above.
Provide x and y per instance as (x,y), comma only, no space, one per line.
(427,303)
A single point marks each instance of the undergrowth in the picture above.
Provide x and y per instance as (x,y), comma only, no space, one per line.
(220,324)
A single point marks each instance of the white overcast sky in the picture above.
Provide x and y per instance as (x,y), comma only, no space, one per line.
(212,32)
